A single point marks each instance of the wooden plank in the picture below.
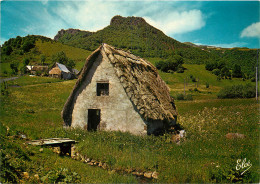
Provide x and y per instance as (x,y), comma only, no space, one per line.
(51,142)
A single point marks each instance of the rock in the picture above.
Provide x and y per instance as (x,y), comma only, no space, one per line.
(91,163)
(100,164)
(134,173)
(41,150)
(26,175)
(182,133)
(176,138)
(36,176)
(139,173)
(88,160)
(235,136)
(128,170)
(56,150)
(73,151)
(82,158)
(104,166)
(155,175)
(148,174)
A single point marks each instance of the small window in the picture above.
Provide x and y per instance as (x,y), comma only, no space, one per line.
(102,89)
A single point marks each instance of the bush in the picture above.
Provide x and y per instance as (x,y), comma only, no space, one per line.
(159,64)
(207,85)
(189,97)
(196,90)
(173,63)
(27,46)
(181,96)
(216,71)
(180,70)
(14,67)
(238,91)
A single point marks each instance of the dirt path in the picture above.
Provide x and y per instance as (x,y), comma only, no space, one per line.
(8,79)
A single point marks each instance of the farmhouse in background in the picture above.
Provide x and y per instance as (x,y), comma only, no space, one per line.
(29,68)
(38,69)
(118,91)
(60,71)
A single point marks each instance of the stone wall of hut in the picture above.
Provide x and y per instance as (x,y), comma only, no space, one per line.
(117,111)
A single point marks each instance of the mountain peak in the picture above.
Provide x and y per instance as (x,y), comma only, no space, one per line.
(70,32)
(118,20)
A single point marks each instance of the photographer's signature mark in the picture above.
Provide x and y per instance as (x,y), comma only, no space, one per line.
(243,165)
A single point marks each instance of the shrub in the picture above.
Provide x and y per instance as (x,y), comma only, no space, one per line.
(236,72)
(4,88)
(216,71)
(14,67)
(173,63)
(180,70)
(207,85)
(27,46)
(181,96)
(189,97)
(193,79)
(159,64)
(238,91)
(196,90)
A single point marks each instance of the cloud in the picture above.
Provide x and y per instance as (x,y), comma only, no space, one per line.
(251,31)
(179,22)
(91,15)
(47,17)
(95,15)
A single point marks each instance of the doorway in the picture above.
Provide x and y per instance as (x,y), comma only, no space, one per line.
(93,119)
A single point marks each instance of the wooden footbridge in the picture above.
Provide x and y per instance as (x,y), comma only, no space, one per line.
(64,144)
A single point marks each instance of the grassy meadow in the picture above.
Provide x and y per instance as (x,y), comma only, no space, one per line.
(33,108)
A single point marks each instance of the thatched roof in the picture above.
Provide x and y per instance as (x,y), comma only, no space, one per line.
(57,68)
(141,81)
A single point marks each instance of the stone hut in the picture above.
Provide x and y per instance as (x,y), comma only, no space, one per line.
(118,91)
(60,71)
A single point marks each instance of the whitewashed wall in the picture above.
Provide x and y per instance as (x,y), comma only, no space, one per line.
(117,111)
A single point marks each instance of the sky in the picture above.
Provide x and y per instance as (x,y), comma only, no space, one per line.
(217,23)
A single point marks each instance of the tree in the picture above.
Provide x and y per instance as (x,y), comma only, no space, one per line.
(14,67)
(26,61)
(216,71)
(7,50)
(43,59)
(71,63)
(23,69)
(27,45)
(236,72)
(225,72)
(178,59)
(210,66)
(60,57)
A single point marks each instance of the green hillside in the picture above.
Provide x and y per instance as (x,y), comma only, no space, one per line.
(32,47)
(175,81)
(135,34)
(142,39)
